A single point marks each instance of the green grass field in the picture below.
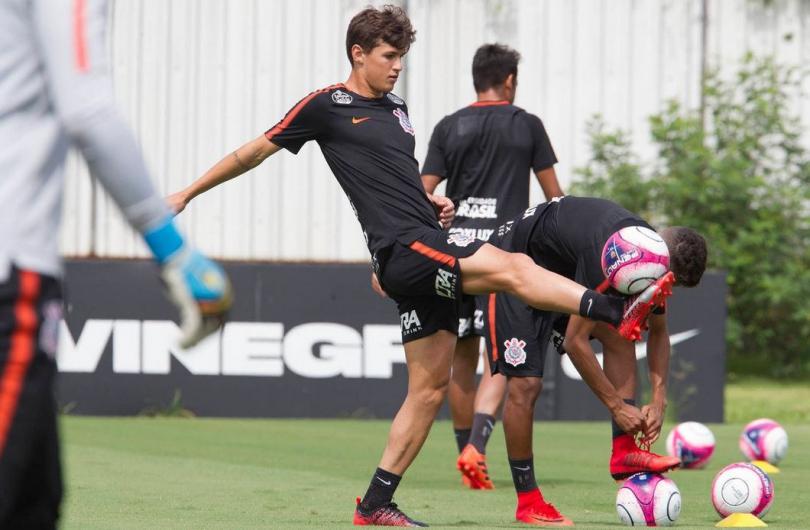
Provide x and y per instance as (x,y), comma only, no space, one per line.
(204,473)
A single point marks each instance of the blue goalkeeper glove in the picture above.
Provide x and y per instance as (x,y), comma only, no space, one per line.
(195,284)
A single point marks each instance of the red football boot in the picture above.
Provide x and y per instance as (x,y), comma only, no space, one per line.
(534,510)
(385,515)
(466,482)
(473,465)
(628,459)
(639,307)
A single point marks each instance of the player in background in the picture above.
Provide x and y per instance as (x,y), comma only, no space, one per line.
(366,137)
(486,152)
(567,236)
(55,91)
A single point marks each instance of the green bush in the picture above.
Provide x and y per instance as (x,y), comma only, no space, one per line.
(743,181)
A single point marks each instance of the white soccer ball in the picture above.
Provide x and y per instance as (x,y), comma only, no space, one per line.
(692,442)
(633,258)
(764,439)
(648,499)
(742,488)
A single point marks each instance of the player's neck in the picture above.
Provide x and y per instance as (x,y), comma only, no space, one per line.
(493,94)
(358,85)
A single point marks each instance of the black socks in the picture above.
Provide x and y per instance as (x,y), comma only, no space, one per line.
(597,306)
(523,474)
(481,430)
(462,437)
(380,491)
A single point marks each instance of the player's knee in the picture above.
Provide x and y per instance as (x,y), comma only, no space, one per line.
(432,396)
(519,267)
(524,391)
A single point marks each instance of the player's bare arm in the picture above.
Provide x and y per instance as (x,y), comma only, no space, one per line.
(578,346)
(236,163)
(549,183)
(658,352)
(445,209)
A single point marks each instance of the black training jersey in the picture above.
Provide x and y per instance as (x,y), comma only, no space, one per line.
(485,152)
(369,146)
(566,235)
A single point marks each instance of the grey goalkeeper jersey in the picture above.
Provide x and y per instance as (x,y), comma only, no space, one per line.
(55,90)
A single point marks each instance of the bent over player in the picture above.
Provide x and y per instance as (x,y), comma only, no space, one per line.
(486,152)
(365,135)
(567,236)
(55,91)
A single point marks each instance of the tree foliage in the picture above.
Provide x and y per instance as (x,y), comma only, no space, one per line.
(743,180)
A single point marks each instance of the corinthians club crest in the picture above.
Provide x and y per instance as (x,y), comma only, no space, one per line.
(514,354)
(404,121)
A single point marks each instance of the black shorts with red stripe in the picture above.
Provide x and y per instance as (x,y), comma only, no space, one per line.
(517,336)
(424,279)
(30,471)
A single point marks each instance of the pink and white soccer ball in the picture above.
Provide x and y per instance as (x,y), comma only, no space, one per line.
(648,499)
(764,439)
(633,258)
(692,442)
(742,488)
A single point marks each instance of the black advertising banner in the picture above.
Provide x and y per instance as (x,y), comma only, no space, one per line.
(310,340)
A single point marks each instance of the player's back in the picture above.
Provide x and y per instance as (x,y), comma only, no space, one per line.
(32,148)
(487,150)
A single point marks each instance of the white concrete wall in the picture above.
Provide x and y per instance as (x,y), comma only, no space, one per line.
(196,78)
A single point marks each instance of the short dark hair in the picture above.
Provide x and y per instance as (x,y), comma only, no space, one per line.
(371,27)
(687,255)
(492,64)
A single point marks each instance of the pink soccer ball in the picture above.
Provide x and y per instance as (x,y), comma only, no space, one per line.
(742,488)
(764,439)
(633,258)
(692,442)
(648,499)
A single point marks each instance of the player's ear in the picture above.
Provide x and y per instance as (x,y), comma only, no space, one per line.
(358,56)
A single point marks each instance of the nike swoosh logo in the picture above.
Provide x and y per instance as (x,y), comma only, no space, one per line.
(641,352)
(355,121)
(386,482)
(522,468)
(590,303)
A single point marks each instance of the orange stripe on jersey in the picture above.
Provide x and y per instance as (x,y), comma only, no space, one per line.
(284,123)
(21,352)
(433,254)
(80,35)
(493,337)
(489,103)
(603,286)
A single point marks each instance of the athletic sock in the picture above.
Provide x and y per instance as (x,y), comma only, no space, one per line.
(597,306)
(462,438)
(523,474)
(617,431)
(482,427)
(380,491)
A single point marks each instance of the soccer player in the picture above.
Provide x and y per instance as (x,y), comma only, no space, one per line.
(567,236)
(365,135)
(55,91)
(486,152)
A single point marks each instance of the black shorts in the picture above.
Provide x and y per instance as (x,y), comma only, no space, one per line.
(424,279)
(30,471)
(471,316)
(517,336)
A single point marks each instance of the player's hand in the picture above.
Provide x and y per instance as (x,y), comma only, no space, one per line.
(445,209)
(201,290)
(375,284)
(629,418)
(654,421)
(177,202)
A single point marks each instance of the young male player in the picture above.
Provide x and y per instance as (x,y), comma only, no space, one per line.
(485,151)
(365,135)
(55,91)
(567,236)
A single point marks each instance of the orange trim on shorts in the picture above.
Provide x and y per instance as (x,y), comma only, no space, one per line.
(493,338)
(80,36)
(432,253)
(21,351)
(603,286)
